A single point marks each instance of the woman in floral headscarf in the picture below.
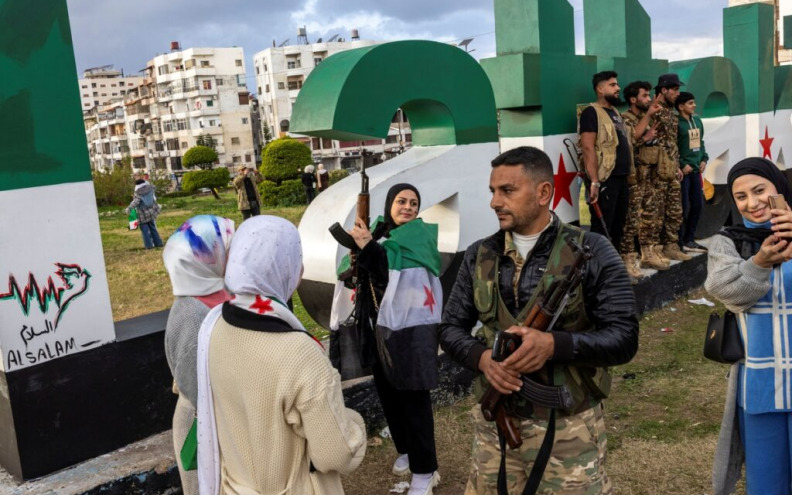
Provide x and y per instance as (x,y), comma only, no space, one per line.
(195,257)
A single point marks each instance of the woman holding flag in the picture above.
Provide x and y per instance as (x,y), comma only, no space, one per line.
(398,305)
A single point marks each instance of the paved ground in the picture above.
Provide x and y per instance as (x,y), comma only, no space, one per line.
(147,466)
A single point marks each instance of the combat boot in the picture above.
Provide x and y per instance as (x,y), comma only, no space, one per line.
(672,252)
(631,263)
(650,259)
(658,249)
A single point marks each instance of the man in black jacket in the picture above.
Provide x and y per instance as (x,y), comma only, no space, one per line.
(598,328)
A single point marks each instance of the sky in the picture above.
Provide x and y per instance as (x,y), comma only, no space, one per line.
(128,34)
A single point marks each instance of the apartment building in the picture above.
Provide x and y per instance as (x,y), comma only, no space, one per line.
(783,56)
(184,95)
(101,85)
(280,73)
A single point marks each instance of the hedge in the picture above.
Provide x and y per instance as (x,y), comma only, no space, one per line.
(269,194)
(289,193)
(197,179)
(199,156)
(285,159)
(337,175)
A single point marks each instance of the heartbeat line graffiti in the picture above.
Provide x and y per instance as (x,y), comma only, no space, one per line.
(72,282)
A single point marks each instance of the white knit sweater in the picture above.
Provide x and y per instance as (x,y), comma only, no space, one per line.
(279,408)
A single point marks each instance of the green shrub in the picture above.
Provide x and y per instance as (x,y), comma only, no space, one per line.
(291,193)
(161,181)
(269,194)
(285,159)
(114,187)
(199,156)
(197,179)
(337,175)
(176,194)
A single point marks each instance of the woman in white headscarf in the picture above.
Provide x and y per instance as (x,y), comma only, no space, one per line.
(195,257)
(271,412)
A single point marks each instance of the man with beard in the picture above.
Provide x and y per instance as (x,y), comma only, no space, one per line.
(645,216)
(669,189)
(501,276)
(607,156)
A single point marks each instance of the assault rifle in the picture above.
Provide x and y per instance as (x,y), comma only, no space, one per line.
(541,316)
(339,234)
(574,155)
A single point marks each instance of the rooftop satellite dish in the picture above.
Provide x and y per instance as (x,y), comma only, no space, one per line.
(285,42)
(333,38)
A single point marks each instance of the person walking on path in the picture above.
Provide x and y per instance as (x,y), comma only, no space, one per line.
(144,202)
(322,178)
(693,158)
(749,269)
(248,197)
(271,414)
(308,180)
(398,305)
(195,257)
(499,280)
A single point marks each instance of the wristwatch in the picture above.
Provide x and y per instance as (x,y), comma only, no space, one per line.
(596,184)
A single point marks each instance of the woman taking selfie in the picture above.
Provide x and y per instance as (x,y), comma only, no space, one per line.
(398,304)
(749,271)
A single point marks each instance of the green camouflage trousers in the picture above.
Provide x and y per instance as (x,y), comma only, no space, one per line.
(670,194)
(645,214)
(576,466)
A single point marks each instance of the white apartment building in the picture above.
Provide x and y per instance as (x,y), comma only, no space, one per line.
(101,85)
(185,94)
(280,73)
(783,8)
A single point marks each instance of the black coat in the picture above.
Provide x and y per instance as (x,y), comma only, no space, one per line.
(607,295)
(308,180)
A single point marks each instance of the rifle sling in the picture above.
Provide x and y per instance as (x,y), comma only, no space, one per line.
(546,396)
(542,457)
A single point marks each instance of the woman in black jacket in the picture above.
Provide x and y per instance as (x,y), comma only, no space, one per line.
(308,180)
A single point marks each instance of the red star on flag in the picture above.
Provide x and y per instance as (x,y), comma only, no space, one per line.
(766,143)
(262,305)
(563,182)
(430,300)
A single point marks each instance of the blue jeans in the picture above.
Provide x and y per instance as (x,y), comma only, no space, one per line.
(692,203)
(151,237)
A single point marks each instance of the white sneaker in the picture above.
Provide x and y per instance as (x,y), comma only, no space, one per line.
(422,484)
(402,465)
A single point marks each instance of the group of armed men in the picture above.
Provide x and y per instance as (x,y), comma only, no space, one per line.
(645,169)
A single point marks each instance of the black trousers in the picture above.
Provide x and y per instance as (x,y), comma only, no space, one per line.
(614,199)
(409,416)
(254,210)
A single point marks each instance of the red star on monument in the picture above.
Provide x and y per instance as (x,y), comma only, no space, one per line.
(563,181)
(430,300)
(766,143)
(262,305)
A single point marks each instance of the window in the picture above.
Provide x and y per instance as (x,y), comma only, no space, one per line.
(294,85)
(259,90)
(86,95)
(212,123)
(236,159)
(102,85)
(244,120)
(87,105)
(181,125)
(130,84)
(267,88)
(209,103)
(317,60)
(238,62)
(93,85)
(281,85)
(219,82)
(247,158)
(257,70)
(96,93)
(113,85)
(104,94)
(207,84)
(184,144)
(115,94)
(293,64)
(204,63)
(265,67)
(172,144)
(234,140)
(167,126)
(84,86)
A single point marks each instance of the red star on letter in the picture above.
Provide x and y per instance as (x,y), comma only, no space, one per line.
(766,143)
(430,300)
(563,181)
(262,305)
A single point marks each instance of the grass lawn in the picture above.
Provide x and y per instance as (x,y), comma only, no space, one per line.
(662,417)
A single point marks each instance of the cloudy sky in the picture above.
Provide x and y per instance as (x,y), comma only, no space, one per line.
(127,34)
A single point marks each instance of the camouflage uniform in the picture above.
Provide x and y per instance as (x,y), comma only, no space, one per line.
(669,190)
(577,461)
(646,211)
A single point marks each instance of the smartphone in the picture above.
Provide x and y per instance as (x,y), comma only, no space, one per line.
(777,202)
(505,344)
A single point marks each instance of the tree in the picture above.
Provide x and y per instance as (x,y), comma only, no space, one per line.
(206,140)
(212,179)
(267,134)
(284,159)
(200,156)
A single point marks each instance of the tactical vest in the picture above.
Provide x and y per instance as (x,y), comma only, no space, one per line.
(587,385)
(648,155)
